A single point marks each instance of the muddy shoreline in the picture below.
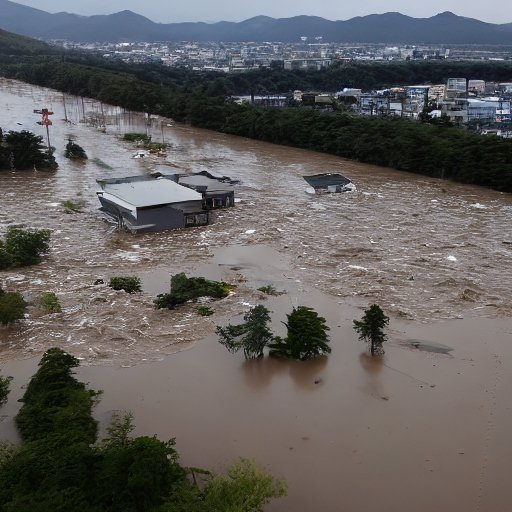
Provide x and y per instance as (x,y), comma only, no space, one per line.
(424,428)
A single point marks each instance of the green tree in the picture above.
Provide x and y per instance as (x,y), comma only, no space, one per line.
(185,288)
(371,328)
(246,488)
(252,336)
(5,384)
(307,336)
(12,307)
(28,151)
(50,302)
(55,403)
(128,284)
(74,151)
(23,247)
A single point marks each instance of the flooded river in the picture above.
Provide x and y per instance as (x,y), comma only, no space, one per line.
(424,428)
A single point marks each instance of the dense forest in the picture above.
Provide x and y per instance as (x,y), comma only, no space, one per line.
(202,99)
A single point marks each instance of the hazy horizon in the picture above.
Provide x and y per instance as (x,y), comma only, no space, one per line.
(160,11)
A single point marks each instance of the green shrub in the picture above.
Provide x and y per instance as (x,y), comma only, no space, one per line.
(128,284)
(12,307)
(74,151)
(270,290)
(22,247)
(50,302)
(185,288)
(5,257)
(71,207)
(136,137)
(5,383)
(205,311)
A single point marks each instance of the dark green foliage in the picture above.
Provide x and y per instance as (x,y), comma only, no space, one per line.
(128,284)
(71,207)
(22,247)
(24,150)
(138,475)
(55,404)
(5,383)
(205,311)
(137,137)
(185,288)
(270,290)
(50,302)
(74,151)
(252,336)
(371,328)
(307,336)
(12,307)
(14,44)
(246,488)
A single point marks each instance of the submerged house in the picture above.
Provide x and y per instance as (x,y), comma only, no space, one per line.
(145,203)
(329,182)
(217,192)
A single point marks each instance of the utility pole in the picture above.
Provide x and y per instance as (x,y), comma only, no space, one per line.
(45,121)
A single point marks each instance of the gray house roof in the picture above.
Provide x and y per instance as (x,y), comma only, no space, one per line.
(145,191)
(326,180)
(203,182)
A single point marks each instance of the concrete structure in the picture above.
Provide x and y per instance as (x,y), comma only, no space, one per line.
(144,203)
(456,87)
(216,192)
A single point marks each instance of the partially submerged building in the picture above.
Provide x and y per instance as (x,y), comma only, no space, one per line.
(329,182)
(145,203)
(217,192)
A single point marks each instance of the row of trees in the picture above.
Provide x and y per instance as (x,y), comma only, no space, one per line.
(306,333)
(62,467)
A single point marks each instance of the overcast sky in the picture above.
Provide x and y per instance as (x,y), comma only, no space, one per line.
(165,11)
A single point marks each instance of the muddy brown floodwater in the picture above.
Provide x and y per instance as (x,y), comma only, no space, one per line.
(425,427)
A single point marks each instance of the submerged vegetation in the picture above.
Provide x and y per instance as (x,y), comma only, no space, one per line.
(371,328)
(126,283)
(71,207)
(22,247)
(5,388)
(184,289)
(24,150)
(306,335)
(50,303)
(270,290)
(61,466)
(74,151)
(252,336)
(12,307)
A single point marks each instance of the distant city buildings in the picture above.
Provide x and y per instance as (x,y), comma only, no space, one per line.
(474,102)
(310,55)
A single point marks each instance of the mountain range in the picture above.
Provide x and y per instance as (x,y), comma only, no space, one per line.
(391,27)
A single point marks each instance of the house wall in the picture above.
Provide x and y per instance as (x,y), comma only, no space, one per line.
(164,217)
(215,200)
